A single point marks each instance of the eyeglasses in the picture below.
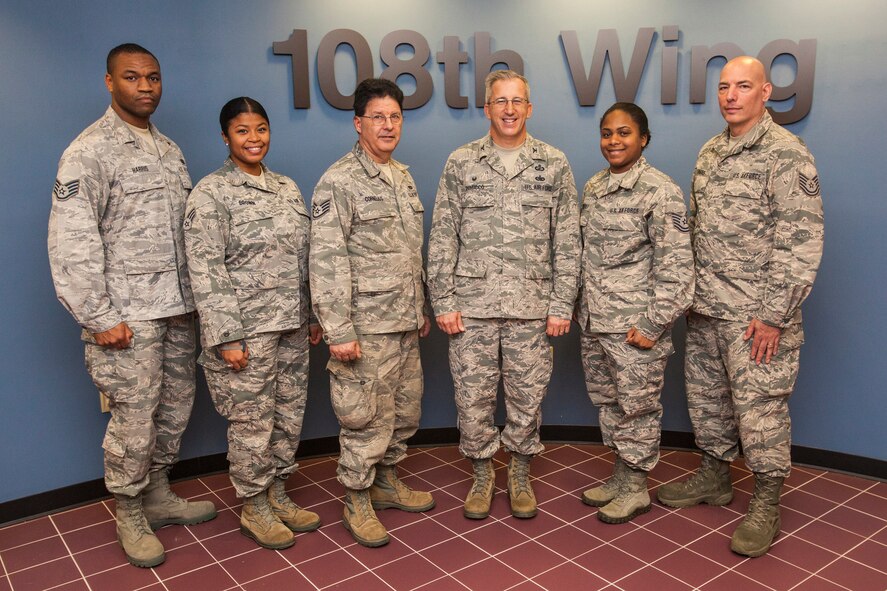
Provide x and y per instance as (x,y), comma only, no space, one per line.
(379,120)
(516,102)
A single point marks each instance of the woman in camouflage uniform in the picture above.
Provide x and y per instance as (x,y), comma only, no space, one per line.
(636,277)
(246,233)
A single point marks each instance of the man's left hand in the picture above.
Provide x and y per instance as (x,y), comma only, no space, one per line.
(766,340)
(634,338)
(556,327)
(315,333)
(426,327)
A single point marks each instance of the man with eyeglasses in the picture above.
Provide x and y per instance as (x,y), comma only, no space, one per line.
(503,267)
(368,292)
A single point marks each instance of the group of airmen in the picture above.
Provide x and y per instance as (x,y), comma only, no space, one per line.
(513,261)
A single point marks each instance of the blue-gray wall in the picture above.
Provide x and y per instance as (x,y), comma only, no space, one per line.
(52,66)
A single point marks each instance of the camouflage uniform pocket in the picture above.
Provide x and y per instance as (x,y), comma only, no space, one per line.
(114,445)
(778,377)
(113,371)
(352,396)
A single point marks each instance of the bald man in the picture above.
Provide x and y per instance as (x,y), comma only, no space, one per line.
(757,230)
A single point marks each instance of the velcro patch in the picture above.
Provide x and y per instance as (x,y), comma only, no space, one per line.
(679,220)
(808,185)
(319,209)
(64,191)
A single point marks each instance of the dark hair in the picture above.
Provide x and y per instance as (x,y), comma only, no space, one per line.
(236,106)
(637,115)
(373,88)
(129,48)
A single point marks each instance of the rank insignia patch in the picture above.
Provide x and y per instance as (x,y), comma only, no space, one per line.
(808,185)
(679,220)
(64,191)
(319,209)
(189,219)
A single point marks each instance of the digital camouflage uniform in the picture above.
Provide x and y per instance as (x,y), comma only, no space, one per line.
(117,254)
(637,271)
(757,229)
(248,260)
(367,285)
(503,251)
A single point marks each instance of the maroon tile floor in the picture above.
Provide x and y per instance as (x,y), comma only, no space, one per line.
(834,537)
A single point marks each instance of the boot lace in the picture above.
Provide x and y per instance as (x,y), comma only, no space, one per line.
(521,471)
(758,516)
(135,516)
(482,479)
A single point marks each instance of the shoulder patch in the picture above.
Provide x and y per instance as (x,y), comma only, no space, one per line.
(319,209)
(64,191)
(679,221)
(189,219)
(810,186)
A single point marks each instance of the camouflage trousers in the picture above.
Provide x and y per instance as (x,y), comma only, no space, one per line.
(519,352)
(625,383)
(264,404)
(731,399)
(150,386)
(377,400)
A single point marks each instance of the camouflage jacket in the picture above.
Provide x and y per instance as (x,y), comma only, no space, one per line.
(637,262)
(757,227)
(247,254)
(116,247)
(505,245)
(366,250)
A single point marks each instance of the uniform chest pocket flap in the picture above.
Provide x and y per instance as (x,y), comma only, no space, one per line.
(533,200)
(467,267)
(149,264)
(745,188)
(142,182)
(376,211)
(377,284)
(252,280)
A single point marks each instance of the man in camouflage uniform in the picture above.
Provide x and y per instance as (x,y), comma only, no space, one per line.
(757,229)
(503,269)
(116,252)
(368,292)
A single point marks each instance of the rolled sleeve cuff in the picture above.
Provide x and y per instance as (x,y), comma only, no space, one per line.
(216,336)
(773,318)
(339,338)
(560,310)
(103,322)
(650,330)
(444,306)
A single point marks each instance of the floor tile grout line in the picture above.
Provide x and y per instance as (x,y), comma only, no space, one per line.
(818,577)
(70,554)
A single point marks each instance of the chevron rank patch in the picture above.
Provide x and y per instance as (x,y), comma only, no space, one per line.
(679,220)
(319,209)
(189,219)
(810,186)
(64,191)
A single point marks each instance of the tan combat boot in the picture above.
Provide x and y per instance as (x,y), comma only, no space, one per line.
(520,492)
(164,507)
(389,491)
(141,546)
(257,521)
(603,494)
(761,524)
(477,503)
(710,484)
(359,518)
(632,498)
(292,516)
